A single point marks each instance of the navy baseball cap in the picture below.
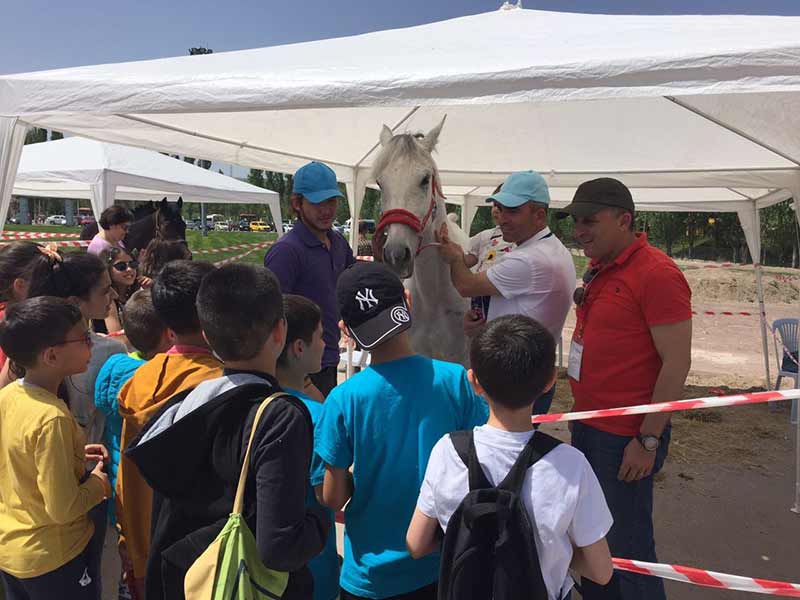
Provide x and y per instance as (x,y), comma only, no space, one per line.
(372,303)
(316,182)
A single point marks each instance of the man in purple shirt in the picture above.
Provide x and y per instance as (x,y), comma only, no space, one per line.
(309,259)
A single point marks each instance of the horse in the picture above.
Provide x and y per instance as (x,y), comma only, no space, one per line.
(162,221)
(413,211)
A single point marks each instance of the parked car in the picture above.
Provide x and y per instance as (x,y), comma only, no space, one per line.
(86,220)
(364,226)
(56,220)
(259,226)
(222,226)
(194,224)
(13,221)
(244,225)
(287,227)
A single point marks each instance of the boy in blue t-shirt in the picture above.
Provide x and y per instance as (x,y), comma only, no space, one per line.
(384,422)
(302,355)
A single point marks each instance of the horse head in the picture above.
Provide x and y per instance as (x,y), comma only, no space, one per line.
(169,222)
(411,198)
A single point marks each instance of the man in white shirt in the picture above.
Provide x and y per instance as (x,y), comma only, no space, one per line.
(537,278)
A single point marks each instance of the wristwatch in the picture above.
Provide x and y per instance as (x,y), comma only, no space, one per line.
(649,442)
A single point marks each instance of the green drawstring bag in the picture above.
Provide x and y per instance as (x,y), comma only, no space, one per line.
(230,568)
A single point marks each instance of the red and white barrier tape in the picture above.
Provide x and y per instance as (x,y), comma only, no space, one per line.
(724,313)
(660,407)
(36,235)
(225,261)
(709,578)
(58,243)
(255,246)
(366,258)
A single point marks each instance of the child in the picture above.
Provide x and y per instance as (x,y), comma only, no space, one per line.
(384,422)
(192,452)
(122,268)
(302,355)
(44,528)
(187,363)
(561,489)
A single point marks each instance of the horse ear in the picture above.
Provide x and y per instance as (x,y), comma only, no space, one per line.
(180,202)
(164,202)
(386,135)
(432,137)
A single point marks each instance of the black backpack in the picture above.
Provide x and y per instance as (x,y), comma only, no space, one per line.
(489,552)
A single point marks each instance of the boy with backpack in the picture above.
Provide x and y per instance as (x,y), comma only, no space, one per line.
(518,507)
(192,452)
(383,422)
(188,362)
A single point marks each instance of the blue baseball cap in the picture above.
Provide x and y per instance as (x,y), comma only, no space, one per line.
(522,187)
(316,182)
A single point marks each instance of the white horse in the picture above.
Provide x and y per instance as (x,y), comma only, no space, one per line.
(413,211)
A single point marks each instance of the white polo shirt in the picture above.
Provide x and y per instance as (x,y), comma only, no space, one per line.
(536,279)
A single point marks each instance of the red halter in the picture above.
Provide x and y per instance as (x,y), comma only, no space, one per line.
(401,216)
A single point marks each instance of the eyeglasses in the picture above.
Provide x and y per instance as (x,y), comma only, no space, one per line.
(123,266)
(86,338)
(579,295)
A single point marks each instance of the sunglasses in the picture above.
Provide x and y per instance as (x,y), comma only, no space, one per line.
(123,266)
(579,295)
(86,338)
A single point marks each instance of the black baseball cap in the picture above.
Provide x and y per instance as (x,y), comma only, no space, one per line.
(595,195)
(372,303)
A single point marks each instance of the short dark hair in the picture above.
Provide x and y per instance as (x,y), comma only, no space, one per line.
(115,215)
(160,252)
(513,358)
(75,275)
(22,260)
(174,294)
(31,326)
(239,306)
(302,318)
(142,325)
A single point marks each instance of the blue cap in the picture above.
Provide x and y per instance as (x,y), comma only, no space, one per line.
(522,187)
(316,182)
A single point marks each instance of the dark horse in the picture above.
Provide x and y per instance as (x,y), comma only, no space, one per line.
(150,221)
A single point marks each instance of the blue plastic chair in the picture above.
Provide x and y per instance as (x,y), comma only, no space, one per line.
(788,330)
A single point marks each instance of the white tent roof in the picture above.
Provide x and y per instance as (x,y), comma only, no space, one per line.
(678,102)
(79,168)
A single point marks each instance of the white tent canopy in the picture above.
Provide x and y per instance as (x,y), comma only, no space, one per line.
(692,112)
(102,172)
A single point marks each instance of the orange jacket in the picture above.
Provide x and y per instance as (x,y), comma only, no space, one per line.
(140,398)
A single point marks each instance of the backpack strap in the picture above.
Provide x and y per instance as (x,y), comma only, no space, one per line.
(238,502)
(464,443)
(536,448)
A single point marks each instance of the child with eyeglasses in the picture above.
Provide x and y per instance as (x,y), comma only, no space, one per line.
(45,494)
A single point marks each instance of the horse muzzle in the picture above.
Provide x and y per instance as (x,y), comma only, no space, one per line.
(399,258)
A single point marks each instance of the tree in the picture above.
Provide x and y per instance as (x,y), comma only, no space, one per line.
(36,135)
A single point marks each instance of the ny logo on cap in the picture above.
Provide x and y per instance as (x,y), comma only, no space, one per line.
(366,299)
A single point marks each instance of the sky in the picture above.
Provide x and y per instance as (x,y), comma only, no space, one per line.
(43,34)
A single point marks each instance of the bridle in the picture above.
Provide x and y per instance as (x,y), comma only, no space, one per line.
(401,216)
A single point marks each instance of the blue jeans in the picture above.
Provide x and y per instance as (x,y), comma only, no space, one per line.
(631,505)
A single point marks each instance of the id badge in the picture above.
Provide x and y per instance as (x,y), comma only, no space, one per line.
(575,357)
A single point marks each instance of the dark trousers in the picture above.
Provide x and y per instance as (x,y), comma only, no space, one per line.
(325,380)
(72,581)
(429,592)
(631,505)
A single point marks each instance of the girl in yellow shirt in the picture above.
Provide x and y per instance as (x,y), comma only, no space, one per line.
(44,495)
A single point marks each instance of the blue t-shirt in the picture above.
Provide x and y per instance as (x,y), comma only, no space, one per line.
(384,422)
(325,566)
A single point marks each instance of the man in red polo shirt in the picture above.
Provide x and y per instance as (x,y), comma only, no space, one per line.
(632,345)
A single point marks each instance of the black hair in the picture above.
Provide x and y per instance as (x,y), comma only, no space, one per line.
(239,306)
(143,327)
(159,252)
(115,215)
(22,260)
(513,358)
(31,326)
(302,318)
(76,274)
(174,294)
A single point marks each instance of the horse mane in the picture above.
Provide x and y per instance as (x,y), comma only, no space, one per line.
(403,145)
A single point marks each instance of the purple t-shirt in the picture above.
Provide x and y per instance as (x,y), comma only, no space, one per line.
(304,266)
(98,245)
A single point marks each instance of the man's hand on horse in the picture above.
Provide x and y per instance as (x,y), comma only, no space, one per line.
(474,321)
(449,251)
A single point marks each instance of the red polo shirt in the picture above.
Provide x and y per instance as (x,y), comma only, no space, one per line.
(640,289)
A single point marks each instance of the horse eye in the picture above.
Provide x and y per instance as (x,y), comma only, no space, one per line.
(425,181)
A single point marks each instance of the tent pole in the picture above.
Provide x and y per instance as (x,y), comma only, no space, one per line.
(762,313)
(796,508)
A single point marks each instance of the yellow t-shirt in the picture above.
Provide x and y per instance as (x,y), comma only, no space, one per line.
(43,522)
